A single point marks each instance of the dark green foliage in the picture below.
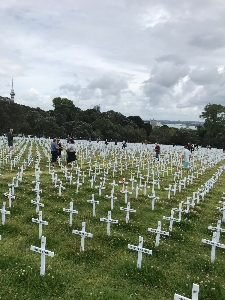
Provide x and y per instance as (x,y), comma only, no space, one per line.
(67,119)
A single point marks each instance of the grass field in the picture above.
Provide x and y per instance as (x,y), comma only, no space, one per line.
(107,269)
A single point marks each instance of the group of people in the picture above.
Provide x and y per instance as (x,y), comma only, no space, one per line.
(56,151)
(186,155)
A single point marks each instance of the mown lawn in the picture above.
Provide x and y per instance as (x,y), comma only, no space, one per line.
(107,269)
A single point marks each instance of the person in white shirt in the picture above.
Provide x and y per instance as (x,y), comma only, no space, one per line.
(186,156)
(71,150)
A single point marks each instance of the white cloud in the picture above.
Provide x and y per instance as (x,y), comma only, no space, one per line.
(158,59)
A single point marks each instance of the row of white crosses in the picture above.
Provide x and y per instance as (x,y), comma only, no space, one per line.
(180,210)
(11,193)
(41,222)
(216,235)
(37,189)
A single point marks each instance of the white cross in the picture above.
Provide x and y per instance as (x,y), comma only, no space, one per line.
(133,180)
(91,181)
(168,189)
(174,188)
(140,251)
(112,198)
(40,222)
(218,230)
(55,180)
(153,197)
(83,234)
(43,253)
(37,183)
(37,203)
(126,193)
(180,210)
(193,200)
(83,177)
(77,183)
(182,182)
(114,170)
(9,195)
(128,210)
(123,182)
(104,180)
(60,187)
(100,188)
(12,185)
(137,189)
(113,184)
(195,291)
(90,170)
(71,211)
(222,209)
(140,181)
(214,244)
(70,177)
(158,231)
(4,212)
(37,191)
(108,221)
(145,187)
(171,219)
(93,201)
(187,203)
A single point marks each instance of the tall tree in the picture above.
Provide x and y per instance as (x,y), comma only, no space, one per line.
(214,115)
(59,101)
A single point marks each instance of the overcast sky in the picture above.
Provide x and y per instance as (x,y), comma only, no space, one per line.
(156,59)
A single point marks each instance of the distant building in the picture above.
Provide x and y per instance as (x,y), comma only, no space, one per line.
(153,123)
(97,107)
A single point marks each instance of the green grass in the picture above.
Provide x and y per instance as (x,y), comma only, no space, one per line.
(107,269)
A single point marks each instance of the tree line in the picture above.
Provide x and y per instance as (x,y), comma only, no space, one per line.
(67,119)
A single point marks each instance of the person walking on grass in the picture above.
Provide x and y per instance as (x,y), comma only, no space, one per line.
(54,148)
(71,152)
(10,138)
(186,156)
(157,151)
(60,148)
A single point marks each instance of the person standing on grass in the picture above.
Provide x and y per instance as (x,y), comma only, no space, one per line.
(71,152)
(157,151)
(186,156)
(60,148)
(10,138)
(54,148)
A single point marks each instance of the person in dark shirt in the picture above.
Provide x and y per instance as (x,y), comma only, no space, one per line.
(60,148)
(54,148)
(157,151)
(10,138)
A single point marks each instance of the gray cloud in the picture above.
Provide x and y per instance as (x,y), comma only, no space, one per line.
(211,41)
(176,59)
(108,85)
(70,88)
(206,76)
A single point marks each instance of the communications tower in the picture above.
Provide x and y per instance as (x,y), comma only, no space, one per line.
(12,94)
